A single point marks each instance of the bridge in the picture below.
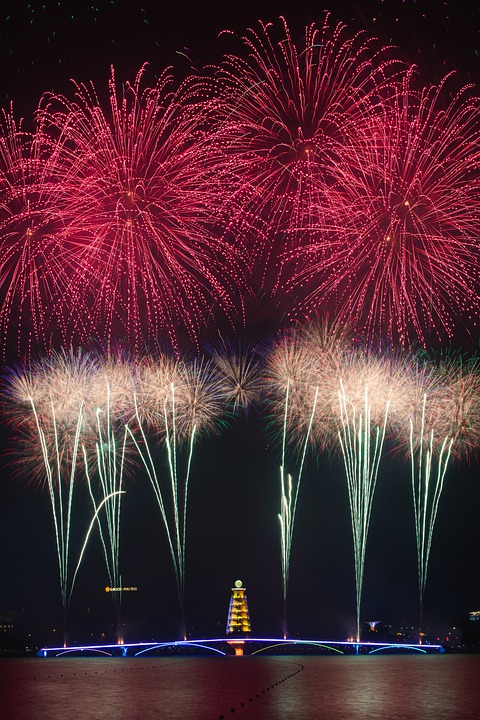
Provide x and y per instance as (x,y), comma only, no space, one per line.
(238,646)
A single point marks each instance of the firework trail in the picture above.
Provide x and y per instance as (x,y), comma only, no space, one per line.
(63,410)
(288,501)
(283,113)
(359,390)
(104,449)
(407,215)
(46,406)
(294,401)
(361,442)
(442,423)
(174,403)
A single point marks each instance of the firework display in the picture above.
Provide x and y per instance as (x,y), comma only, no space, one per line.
(175,403)
(120,200)
(346,398)
(284,113)
(441,423)
(34,282)
(61,411)
(407,211)
(96,418)
(324,173)
(323,176)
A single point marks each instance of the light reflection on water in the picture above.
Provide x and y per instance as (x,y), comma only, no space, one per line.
(249,688)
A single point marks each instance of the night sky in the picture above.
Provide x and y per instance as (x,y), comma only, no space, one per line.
(233,501)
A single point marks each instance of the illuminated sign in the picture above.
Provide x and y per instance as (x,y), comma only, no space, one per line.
(121,589)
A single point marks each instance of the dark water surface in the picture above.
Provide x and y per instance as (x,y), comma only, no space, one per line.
(410,687)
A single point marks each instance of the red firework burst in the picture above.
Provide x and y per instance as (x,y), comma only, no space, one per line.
(33,279)
(284,114)
(404,261)
(148,260)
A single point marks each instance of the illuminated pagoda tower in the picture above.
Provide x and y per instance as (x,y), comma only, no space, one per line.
(238,621)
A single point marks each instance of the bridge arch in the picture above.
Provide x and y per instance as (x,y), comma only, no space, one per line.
(290,643)
(166,645)
(389,648)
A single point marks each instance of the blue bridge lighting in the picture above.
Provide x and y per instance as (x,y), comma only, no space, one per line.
(251,646)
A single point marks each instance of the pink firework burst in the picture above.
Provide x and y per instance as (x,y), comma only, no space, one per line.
(284,111)
(149,262)
(404,263)
(33,226)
